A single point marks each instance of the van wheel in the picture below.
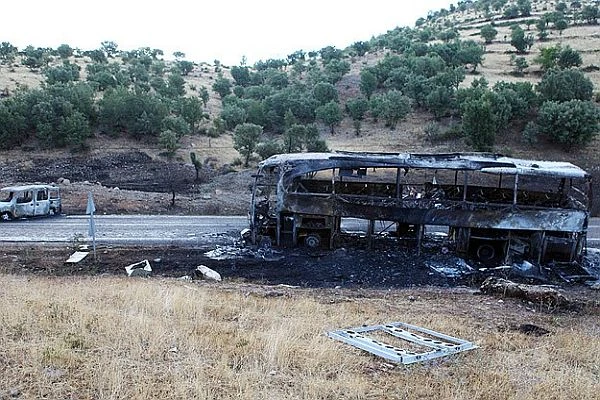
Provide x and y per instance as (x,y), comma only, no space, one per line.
(6,216)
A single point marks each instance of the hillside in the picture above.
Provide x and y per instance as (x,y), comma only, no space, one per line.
(410,134)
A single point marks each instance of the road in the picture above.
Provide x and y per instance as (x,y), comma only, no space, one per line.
(152,229)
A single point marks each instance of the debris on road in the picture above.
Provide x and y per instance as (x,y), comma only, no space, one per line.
(141,268)
(546,295)
(454,269)
(207,273)
(433,344)
(221,253)
(77,256)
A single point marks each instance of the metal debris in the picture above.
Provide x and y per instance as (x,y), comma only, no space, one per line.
(207,273)
(432,343)
(77,256)
(455,269)
(141,268)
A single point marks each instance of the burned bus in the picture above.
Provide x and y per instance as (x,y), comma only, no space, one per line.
(494,208)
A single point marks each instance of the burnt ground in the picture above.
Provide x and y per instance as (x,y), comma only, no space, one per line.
(389,265)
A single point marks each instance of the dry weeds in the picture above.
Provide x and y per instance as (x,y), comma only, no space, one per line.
(119,338)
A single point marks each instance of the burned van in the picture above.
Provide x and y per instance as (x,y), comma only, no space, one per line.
(29,201)
(493,208)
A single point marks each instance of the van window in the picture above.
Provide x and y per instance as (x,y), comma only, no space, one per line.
(42,195)
(24,197)
(6,197)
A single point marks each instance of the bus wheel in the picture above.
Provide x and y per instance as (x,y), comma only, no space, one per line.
(6,216)
(312,240)
(486,253)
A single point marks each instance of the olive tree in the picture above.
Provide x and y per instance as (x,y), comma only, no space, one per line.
(245,140)
(571,123)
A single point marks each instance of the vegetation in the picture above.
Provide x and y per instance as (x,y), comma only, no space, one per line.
(141,96)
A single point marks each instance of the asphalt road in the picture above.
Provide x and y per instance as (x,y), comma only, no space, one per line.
(152,230)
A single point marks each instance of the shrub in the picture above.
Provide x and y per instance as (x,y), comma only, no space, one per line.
(565,85)
(572,123)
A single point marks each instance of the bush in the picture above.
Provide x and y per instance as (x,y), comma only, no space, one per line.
(268,148)
(565,85)
(479,124)
(572,123)
(65,73)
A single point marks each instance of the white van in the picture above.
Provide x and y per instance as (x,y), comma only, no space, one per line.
(29,201)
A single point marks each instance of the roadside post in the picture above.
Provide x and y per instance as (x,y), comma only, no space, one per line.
(90,210)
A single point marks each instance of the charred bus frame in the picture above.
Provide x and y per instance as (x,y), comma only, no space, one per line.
(494,207)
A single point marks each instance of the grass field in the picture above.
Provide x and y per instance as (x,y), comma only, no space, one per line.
(118,338)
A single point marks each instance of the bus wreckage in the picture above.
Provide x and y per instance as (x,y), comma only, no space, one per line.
(495,209)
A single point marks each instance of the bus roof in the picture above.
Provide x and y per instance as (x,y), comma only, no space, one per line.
(300,163)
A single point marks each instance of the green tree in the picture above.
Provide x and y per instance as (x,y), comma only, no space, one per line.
(361,48)
(542,25)
(511,12)
(521,65)
(440,101)
(67,72)
(331,115)
(357,108)
(7,52)
(169,141)
(313,141)
(293,138)
(245,140)
(185,67)
(233,115)
(561,25)
(519,41)
(565,85)
(109,48)
(570,124)
(137,114)
(336,69)
(561,7)
(470,53)
(330,53)
(590,14)
(97,56)
(222,86)
(268,148)
(203,92)
(548,56)
(568,58)
(478,124)
(35,57)
(64,51)
(368,83)
(177,124)
(524,7)
(392,106)
(241,75)
(324,92)
(488,33)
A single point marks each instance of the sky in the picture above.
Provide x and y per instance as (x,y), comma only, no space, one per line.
(207,30)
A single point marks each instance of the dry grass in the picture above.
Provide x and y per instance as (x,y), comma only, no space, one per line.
(115,338)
